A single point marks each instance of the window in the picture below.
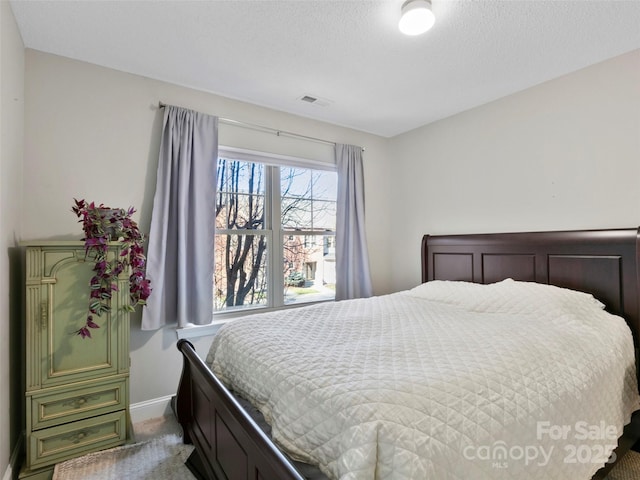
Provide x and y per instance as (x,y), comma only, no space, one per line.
(275,229)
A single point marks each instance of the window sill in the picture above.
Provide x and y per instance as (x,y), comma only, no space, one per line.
(219,319)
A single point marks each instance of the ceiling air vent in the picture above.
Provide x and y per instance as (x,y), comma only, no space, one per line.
(313,100)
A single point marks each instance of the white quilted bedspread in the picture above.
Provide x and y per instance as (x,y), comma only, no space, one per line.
(449,380)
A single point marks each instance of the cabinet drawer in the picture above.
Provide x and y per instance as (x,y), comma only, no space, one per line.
(55,444)
(76,404)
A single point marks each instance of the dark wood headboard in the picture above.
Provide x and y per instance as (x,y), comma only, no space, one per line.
(601,262)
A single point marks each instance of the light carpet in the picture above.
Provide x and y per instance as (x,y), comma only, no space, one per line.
(160,458)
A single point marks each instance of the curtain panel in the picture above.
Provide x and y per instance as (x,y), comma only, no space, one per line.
(353,278)
(180,256)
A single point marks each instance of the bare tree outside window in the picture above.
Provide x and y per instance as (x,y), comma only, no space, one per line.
(240,258)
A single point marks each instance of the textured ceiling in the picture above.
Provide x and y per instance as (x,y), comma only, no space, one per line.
(348,53)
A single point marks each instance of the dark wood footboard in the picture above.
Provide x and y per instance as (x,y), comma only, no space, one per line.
(229,444)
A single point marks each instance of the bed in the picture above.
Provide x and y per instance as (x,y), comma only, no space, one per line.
(602,263)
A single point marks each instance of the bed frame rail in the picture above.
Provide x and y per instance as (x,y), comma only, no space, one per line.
(231,446)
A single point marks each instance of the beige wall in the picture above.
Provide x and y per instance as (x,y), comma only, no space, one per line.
(11,152)
(562,155)
(93,133)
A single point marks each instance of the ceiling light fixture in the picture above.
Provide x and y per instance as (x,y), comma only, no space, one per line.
(416,18)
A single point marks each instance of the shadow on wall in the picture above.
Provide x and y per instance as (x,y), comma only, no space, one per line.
(16,344)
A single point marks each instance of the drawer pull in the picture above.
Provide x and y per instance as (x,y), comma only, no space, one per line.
(77,437)
(80,402)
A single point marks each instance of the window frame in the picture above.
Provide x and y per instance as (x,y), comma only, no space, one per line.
(274,238)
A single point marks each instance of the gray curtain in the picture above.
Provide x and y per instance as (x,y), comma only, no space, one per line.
(353,279)
(180,252)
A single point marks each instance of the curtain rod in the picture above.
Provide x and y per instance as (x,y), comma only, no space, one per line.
(279,133)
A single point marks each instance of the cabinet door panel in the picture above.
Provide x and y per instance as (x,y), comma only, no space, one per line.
(66,288)
(64,357)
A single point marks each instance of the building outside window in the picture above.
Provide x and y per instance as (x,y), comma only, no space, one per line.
(275,234)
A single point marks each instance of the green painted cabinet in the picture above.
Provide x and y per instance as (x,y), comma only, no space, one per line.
(77,390)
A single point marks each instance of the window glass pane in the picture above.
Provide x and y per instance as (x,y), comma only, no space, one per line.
(240,271)
(240,195)
(294,182)
(296,214)
(324,215)
(309,268)
(308,199)
(325,185)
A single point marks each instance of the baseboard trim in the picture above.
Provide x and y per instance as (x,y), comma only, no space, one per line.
(156,407)
(13,460)
(8,473)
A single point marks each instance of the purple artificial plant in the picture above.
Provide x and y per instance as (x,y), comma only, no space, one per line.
(102,225)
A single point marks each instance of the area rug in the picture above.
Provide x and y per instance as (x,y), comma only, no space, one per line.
(627,469)
(160,458)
